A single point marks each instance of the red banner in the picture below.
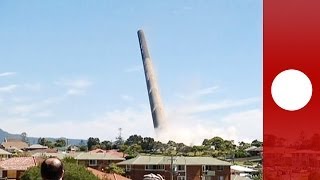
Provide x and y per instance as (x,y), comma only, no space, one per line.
(291,89)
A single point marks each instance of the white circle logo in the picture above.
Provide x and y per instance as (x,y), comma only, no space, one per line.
(291,90)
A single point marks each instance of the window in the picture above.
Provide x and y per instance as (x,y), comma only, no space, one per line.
(207,168)
(93,162)
(128,167)
(154,167)
(181,177)
(220,168)
(180,168)
(221,177)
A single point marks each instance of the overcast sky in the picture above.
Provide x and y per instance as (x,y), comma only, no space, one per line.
(73,68)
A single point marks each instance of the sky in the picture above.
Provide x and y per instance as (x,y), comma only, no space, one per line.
(73,68)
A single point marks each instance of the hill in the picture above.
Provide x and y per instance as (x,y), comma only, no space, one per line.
(34,140)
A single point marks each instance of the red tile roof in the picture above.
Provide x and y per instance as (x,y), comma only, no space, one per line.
(106,176)
(112,152)
(18,163)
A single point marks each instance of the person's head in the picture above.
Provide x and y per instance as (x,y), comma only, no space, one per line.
(52,169)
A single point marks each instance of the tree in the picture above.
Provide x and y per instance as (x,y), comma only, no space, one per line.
(73,171)
(256,143)
(92,142)
(60,143)
(32,173)
(147,144)
(41,141)
(113,168)
(24,137)
(159,146)
(195,149)
(106,145)
(45,142)
(83,146)
(243,145)
(180,147)
(134,139)
(218,143)
(132,150)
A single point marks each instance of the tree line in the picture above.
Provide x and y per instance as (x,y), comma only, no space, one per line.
(136,144)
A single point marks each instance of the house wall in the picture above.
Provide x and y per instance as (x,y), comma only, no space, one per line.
(138,171)
(194,172)
(17,176)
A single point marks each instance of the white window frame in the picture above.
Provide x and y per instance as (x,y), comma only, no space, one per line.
(183,169)
(159,167)
(93,164)
(128,167)
(181,178)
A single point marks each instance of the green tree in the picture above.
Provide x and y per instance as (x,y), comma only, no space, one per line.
(159,146)
(73,171)
(60,143)
(92,142)
(32,173)
(45,142)
(218,143)
(41,141)
(195,149)
(256,143)
(134,139)
(132,150)
(83,146)
(147,144)
(113,168)
(243,145)
(106,145)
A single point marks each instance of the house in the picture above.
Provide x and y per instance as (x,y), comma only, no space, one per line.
(97,161)
(4,155)
(112,152)
(254,151)
(181,168)
(36,147)
(73,148)
(14,145)
(59,155)
(13,168)
(106,176)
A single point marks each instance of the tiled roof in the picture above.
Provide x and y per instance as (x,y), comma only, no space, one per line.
(81,156)
(144,160)
(57,155)
(3,152)
(37,146)
(16,144)
(18,163)
(97,156)
(112,152)
(108,176)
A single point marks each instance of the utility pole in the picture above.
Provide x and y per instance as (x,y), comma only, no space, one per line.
(171,167)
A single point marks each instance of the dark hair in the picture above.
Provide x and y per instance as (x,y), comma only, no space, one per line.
(51,169)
